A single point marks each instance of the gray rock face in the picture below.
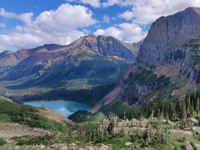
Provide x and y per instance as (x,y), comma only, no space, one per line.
(165,40)
(109,46)
(171,41)
(187,145)
(138,44)
(165,30)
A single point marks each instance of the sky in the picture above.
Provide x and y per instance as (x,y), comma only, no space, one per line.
(31,23)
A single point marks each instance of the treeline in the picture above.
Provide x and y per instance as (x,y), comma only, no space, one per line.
(179,109)
(87,96)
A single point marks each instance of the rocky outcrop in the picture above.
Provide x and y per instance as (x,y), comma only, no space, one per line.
(171,49)
(166,30)
(187,145)
(167,38)
(107,46)
(138,44)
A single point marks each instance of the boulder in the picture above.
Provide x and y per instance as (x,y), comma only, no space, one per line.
(197,146)
(72,145)
(62,145)
(55,146)
(41,146)
(137,146)
(172,147)
(196,129)
(187,145)
(17,148)
(103,147)
(63,148)
(180,132)
(128,143)
(194,120)
(88,148)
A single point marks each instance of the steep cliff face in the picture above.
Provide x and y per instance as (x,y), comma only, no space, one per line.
(168,62)
(166,30)
(172,41)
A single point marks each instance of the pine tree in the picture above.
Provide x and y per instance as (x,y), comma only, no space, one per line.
(110,127)
(151,117)
(158,128)
(191,110)
(106,132)
(171,110)
(149,132)
(137,133)
(94,133)
(183,112)
(197,106)
(124,116)
(187,101)
(115,120)
(178,109)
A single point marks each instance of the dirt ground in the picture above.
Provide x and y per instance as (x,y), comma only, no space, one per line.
(8,130)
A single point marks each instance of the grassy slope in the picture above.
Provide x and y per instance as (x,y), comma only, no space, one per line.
(7,107)
(74,74)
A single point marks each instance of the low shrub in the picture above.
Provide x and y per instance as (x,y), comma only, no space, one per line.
(21,142)
(2,142)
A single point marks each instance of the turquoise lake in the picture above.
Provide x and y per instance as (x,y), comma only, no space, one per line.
(64,108)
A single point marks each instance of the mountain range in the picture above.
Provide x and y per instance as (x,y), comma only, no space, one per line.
(50,71)
(167,65)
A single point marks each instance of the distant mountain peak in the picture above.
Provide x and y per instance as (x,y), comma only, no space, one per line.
(196,9)
(91,35)
(107,46)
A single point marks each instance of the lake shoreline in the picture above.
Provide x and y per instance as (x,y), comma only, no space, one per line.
(66,108)
(51,101)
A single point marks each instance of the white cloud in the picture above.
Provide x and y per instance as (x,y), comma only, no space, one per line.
(2,48)
(147,11)
(106,19)
(113,18)
(86,31)
(2,25)
(97,26)
(25,17)
(94,3)
(125,31)
(118,2)
(54,26)
(126,15)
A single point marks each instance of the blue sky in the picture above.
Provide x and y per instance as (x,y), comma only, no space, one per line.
(31,23)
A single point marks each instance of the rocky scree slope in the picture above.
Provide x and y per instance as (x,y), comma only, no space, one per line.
(168,61)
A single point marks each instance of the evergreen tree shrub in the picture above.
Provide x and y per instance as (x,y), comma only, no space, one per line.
(2,142)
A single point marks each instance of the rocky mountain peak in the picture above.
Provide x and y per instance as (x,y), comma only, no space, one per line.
(91,35)
(107,46)
(165,30)
(196,9)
